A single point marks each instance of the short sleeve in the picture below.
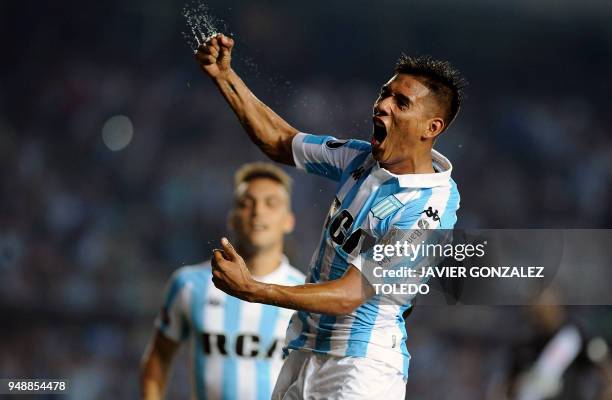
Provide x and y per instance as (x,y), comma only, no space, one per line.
(172,318)
(325,155)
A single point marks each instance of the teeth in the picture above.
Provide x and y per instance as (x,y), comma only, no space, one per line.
(258,227)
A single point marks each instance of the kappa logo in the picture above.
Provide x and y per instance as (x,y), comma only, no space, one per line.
(214,302)
(431,214)
(356,174)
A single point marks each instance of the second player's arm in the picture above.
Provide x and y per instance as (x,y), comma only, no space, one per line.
(272,134)
(155,367)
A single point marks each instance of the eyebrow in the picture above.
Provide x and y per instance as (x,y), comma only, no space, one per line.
(399,96)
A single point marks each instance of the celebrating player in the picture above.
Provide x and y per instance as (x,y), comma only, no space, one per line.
(236,347)
(343,342)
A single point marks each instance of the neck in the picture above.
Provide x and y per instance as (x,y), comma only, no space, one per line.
(261,262)
(418,162)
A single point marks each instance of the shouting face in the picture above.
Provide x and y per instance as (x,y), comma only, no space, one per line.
(405,116)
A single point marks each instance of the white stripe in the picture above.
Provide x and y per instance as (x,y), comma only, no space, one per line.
(213,317)
(250,316)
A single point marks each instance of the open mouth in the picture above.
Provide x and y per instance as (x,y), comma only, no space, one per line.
(379,131)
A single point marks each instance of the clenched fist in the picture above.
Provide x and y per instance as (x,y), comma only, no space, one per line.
(215,55)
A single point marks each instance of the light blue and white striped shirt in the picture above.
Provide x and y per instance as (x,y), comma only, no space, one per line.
(236,346)
(370,201)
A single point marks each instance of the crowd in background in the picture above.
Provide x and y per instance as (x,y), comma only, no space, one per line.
(88,236)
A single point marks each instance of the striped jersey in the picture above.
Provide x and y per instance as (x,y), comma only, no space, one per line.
(370,202)
(235,346)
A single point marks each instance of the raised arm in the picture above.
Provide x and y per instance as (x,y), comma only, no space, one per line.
(271,133)
(337,297)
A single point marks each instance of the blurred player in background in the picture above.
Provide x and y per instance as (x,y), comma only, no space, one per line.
(563,358)
(343,342)
(236,347)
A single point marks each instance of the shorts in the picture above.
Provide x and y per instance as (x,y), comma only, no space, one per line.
(312,376)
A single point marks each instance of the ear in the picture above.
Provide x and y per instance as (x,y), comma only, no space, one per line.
(435,126)
(289,223)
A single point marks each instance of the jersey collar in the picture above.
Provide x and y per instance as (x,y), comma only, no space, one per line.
(276,275)
(441,178)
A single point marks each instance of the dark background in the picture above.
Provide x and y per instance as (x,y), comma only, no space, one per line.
(88,236)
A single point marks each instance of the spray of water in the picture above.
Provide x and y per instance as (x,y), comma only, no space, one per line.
(201,24)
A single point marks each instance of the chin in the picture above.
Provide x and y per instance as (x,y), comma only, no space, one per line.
(258,243)
(377,154)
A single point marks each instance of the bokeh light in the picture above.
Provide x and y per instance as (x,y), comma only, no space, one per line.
(117,132)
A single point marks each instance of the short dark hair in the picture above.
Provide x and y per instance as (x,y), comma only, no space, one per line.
(444,80)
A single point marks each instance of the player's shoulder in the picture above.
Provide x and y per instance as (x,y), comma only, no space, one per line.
(195,273)
(293,275)
(404,208)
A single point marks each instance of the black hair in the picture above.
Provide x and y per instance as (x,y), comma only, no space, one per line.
(445,81)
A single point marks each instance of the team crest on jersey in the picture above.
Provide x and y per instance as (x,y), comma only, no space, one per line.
(386,206)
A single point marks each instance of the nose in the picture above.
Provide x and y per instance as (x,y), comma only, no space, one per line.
(257,208)
(381,107)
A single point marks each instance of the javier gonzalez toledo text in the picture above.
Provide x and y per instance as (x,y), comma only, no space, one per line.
(404,268)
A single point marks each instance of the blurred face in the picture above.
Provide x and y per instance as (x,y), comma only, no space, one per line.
(404,117)
(261,215)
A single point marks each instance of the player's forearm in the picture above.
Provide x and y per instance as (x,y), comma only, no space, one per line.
(271,133)
(329,298)
(153,378)
(151,390)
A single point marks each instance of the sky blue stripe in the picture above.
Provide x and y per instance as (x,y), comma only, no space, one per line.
(230,364)
(267,326)
(361,330)
(295,280)
(323,169)
(198,295)
(300,341)
(359,145)
(353,165)
(317,139)
(449,217)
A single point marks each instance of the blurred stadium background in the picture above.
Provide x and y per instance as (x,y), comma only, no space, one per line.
(117,154)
